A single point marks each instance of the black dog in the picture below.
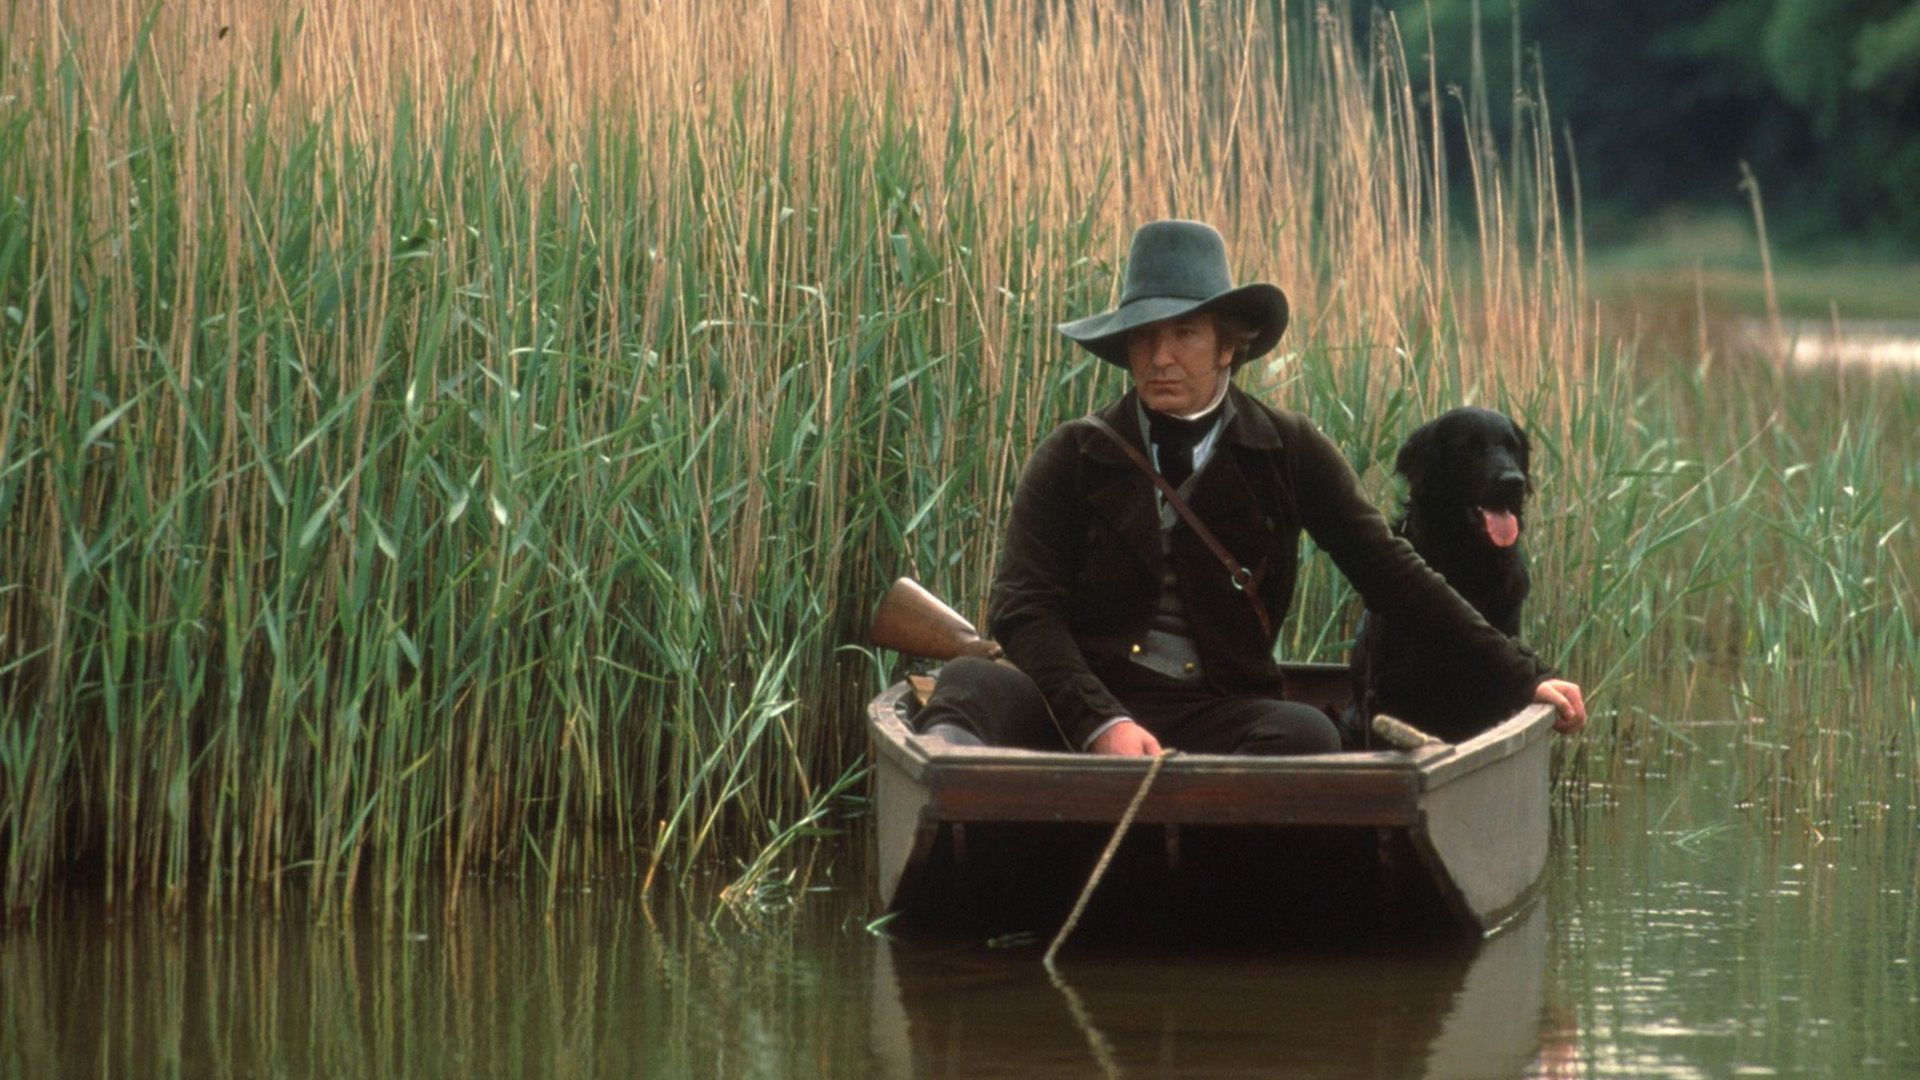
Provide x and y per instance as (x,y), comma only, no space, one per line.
(1467,487)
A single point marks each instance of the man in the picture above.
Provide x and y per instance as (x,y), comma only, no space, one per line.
(1135,626)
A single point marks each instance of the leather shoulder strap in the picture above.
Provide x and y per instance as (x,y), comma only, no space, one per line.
(1243,579)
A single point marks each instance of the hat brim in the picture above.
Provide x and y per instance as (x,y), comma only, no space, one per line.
(1260,304)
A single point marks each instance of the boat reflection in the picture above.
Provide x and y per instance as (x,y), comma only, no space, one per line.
(1443,1009)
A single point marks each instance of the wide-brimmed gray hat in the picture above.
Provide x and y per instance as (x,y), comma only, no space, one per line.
(1178,268)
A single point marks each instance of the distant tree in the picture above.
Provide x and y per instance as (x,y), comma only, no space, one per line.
(1664,98)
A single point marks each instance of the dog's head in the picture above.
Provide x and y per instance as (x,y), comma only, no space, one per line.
(1467,469)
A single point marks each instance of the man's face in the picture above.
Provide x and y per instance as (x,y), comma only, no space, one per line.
(1178,363)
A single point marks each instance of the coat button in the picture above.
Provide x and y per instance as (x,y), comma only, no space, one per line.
(1192,667)
(1137,650)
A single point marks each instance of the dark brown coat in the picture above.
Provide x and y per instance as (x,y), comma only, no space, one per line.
(1081,568)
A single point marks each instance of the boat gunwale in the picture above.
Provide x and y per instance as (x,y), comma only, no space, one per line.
(1432,766)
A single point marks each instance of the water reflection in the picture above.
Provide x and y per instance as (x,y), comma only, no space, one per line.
(1678,937)
(1441,1010)
(610,986)
(607,987)
(1697,940)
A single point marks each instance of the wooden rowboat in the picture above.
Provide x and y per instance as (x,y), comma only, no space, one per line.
(1454,835)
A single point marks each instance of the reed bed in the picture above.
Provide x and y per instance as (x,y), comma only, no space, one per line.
(460,439)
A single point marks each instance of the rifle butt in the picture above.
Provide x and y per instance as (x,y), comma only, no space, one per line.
(912,620)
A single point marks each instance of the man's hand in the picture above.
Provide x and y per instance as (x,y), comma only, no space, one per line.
(1130,739)
(1566,700)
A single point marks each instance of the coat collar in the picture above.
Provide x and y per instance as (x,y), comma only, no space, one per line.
(1246,426)
(1249,425)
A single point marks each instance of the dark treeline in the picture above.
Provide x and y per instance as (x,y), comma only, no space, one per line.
(1665,98)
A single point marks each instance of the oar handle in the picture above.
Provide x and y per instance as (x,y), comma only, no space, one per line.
(1401,735)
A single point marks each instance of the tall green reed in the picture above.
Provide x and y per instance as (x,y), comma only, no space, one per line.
(456,443)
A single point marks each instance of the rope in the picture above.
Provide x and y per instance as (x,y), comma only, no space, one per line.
(1097,1042)
(1106,857)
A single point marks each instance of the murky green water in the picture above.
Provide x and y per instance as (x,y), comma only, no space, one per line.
(1676,938)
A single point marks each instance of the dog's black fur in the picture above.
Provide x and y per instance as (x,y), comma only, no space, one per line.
(1455,465)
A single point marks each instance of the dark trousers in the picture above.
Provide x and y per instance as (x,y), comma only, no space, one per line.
(1002,707)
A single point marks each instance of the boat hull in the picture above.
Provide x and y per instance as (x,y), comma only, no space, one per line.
(1452,834)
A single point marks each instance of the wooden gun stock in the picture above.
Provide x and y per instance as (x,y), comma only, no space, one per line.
(912,620)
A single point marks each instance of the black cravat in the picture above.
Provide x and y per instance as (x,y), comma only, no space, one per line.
(1174,440)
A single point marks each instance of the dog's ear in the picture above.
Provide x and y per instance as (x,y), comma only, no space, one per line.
(1415,455)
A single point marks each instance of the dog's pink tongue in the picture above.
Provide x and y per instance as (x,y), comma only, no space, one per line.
(1502,527)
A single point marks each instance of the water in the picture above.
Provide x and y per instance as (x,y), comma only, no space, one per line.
(1813,343)
(1675,937)
(1696,940)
